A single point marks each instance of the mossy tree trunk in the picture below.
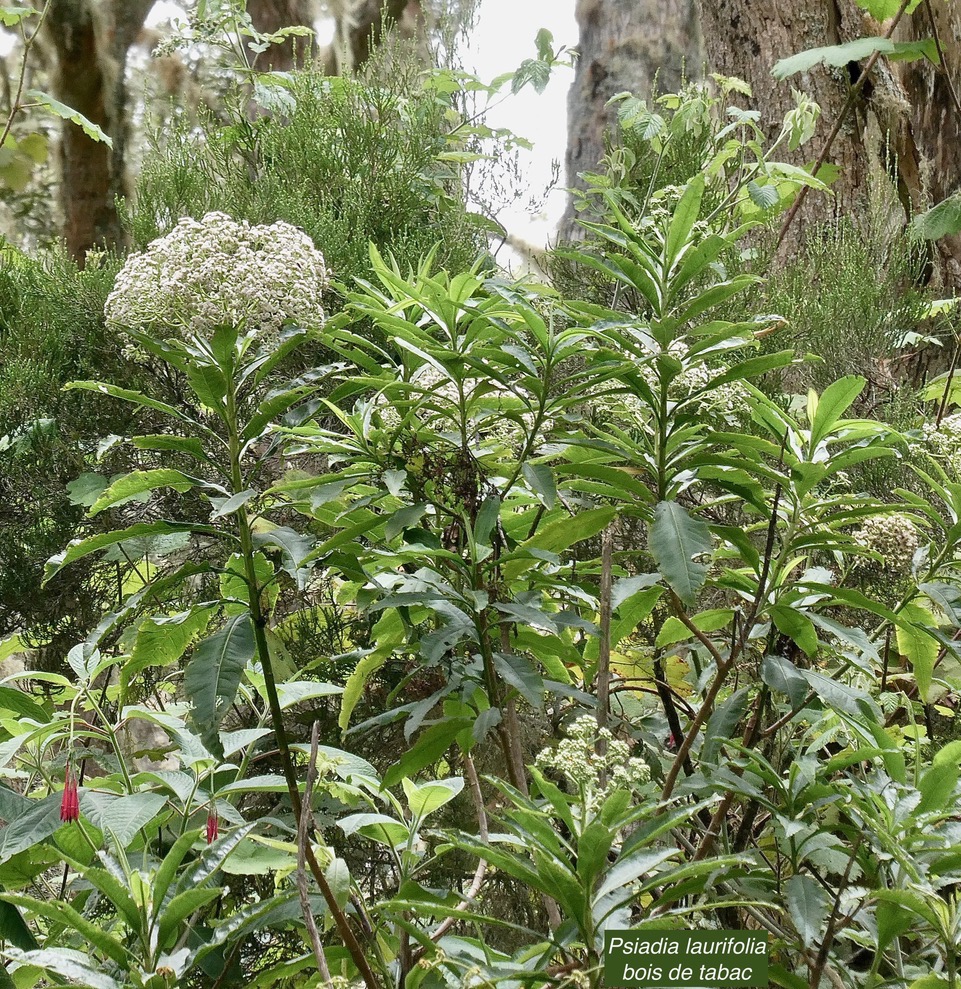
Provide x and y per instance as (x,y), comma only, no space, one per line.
(905,122)
(630,45)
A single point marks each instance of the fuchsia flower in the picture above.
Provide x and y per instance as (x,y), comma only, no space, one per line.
(70,804)
(213,827)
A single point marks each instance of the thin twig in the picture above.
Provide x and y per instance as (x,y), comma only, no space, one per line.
(302,826)
(842,116)
(15,106)
(603,679)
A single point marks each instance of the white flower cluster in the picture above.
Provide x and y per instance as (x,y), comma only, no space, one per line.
(943,441)
(895,537)
(220,270)
(576,757)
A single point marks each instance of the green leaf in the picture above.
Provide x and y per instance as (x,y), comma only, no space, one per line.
(723,722)
(388,632)
(917,644)
(519,672)
(179,909)
(13,928)
(425,798)
(685,216)
(937,787)
(92,130)
(942,220)
(378,827)
(809,906)
(31,826)
(62,913)
(11,15)
(22,704)
(833,403)
(763,196)
(432,743)
(540,478)
(163,639)
(796,626)
(140,481)
(675,540)
(882,10)
(253,859)
(121,816)
(836,55)
(73,965)
(213,676)
(80,548)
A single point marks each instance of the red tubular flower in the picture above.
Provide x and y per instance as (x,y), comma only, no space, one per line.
(213,827)
(70,804)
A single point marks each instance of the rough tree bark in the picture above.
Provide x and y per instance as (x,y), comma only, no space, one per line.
(91,42)
(624,45)
(906,108)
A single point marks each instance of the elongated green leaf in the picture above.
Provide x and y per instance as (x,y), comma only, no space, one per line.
(30,827)
(881,10)
(11,14)
(213,676)
(62,913)
(212,858)
(796,626)
(13,928)
(163,639)
(92,130)
(430,746)
(79,968)
(942,220)
(378,827)
(179,909)
(140,481)
(809,906)
(119,816)
(22,704)
(80,548)
(675,540)
(836,55)
(685,216)
(915,642)
(833,403)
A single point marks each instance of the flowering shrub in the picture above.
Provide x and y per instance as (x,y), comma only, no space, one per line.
(219,270)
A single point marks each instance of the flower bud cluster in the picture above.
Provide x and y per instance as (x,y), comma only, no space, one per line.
(219,270)
(895,537)
(595,775)
(943,441)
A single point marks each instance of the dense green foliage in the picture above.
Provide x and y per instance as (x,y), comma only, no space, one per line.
(488,615)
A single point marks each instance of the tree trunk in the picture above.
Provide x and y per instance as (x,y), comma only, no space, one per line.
(631,45)
(91,44)
(928,139)
(905,109)
(363,24)
(269,16)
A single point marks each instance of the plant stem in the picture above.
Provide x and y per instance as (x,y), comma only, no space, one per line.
(259,622)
